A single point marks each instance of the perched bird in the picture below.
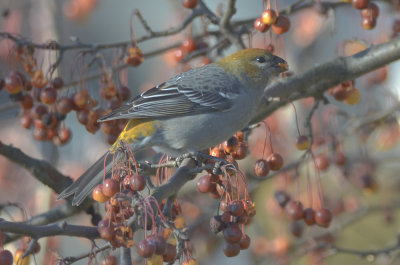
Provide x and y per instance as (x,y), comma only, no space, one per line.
(192,111)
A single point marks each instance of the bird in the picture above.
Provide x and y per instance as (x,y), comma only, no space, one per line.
(190,112)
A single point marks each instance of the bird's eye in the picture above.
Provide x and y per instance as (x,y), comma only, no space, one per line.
(260,59)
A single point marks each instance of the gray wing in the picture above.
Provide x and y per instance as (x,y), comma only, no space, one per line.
(179,96)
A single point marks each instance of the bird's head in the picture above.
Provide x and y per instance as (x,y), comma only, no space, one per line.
(256,65)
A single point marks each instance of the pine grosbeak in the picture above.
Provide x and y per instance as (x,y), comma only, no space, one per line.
(192,111)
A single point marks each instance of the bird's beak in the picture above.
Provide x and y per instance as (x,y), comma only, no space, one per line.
(284,66)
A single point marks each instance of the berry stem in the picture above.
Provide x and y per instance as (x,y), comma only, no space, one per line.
(295,115)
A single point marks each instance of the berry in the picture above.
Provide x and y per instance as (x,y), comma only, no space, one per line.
(124,93)
(106,230)
(368,23)
(6,258)
(339,158)
(309,216)
(98,194)
(109,260)
(241,151)
(13,83)
(65,135)
(48,95)
(275,161)
(371,11)
(218,152)
(26,102)
(281,197)
(64,105)
(339,93)
(360,4)
(160,244)
(296,228)
(269,17)
(321,162)
(189,45)
(231,145)
(244,242)
(216,224)
(26,121)
(260,26)
(236,208)
(189,3)
(294,210)
(261,168)
(232,233)
(137,182)
(135,56)
(323,217)
(110,187)
(302,142)
(231,249)
(57,83)
(281,25)
(206,184)
(81,98)
(146,248)
(179,54)
(82,116)
(170,253)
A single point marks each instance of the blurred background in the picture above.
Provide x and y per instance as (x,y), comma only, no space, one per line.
(366,215)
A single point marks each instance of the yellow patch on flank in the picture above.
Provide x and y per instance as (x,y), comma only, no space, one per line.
(134,130)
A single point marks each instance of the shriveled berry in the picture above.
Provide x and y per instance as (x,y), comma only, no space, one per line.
(57,83)
(353,96)
(281,197)
(261,168)
(218,152)
(26,102)
(109,260)
(81,98)
(64,105)
(160,244)
(302,142)
(241,151)
(179,222)
(216,224)
(124,93)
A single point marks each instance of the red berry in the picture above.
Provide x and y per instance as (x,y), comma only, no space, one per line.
(110,187)
(321,162)
(48,95)
(109,260)
(206,183)
(281,197)
(296,228)
(275,161)
(189,3)
(339,93)
(360,4)
(368,23)
(371,11)
(231,249)
(170,253)
(340,158)
(260,26)
(82,116)
(179,54)
(189,45)
(309,216)
(64,134)
(160,243)
(57,83)
(137,182)
(241,151)
(124,93)
(294,210)
(281,25)
(26,121)
(244,242)
(236,208)
(146,248)
(323,217)
(106,230)
(64,105)
(218,152)
(26,102)
(233,233)
(6,258)
(81,98)
(261,168)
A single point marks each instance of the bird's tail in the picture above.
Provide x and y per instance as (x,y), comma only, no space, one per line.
(86,183)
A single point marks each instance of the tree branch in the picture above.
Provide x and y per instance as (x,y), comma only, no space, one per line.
(322,77)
